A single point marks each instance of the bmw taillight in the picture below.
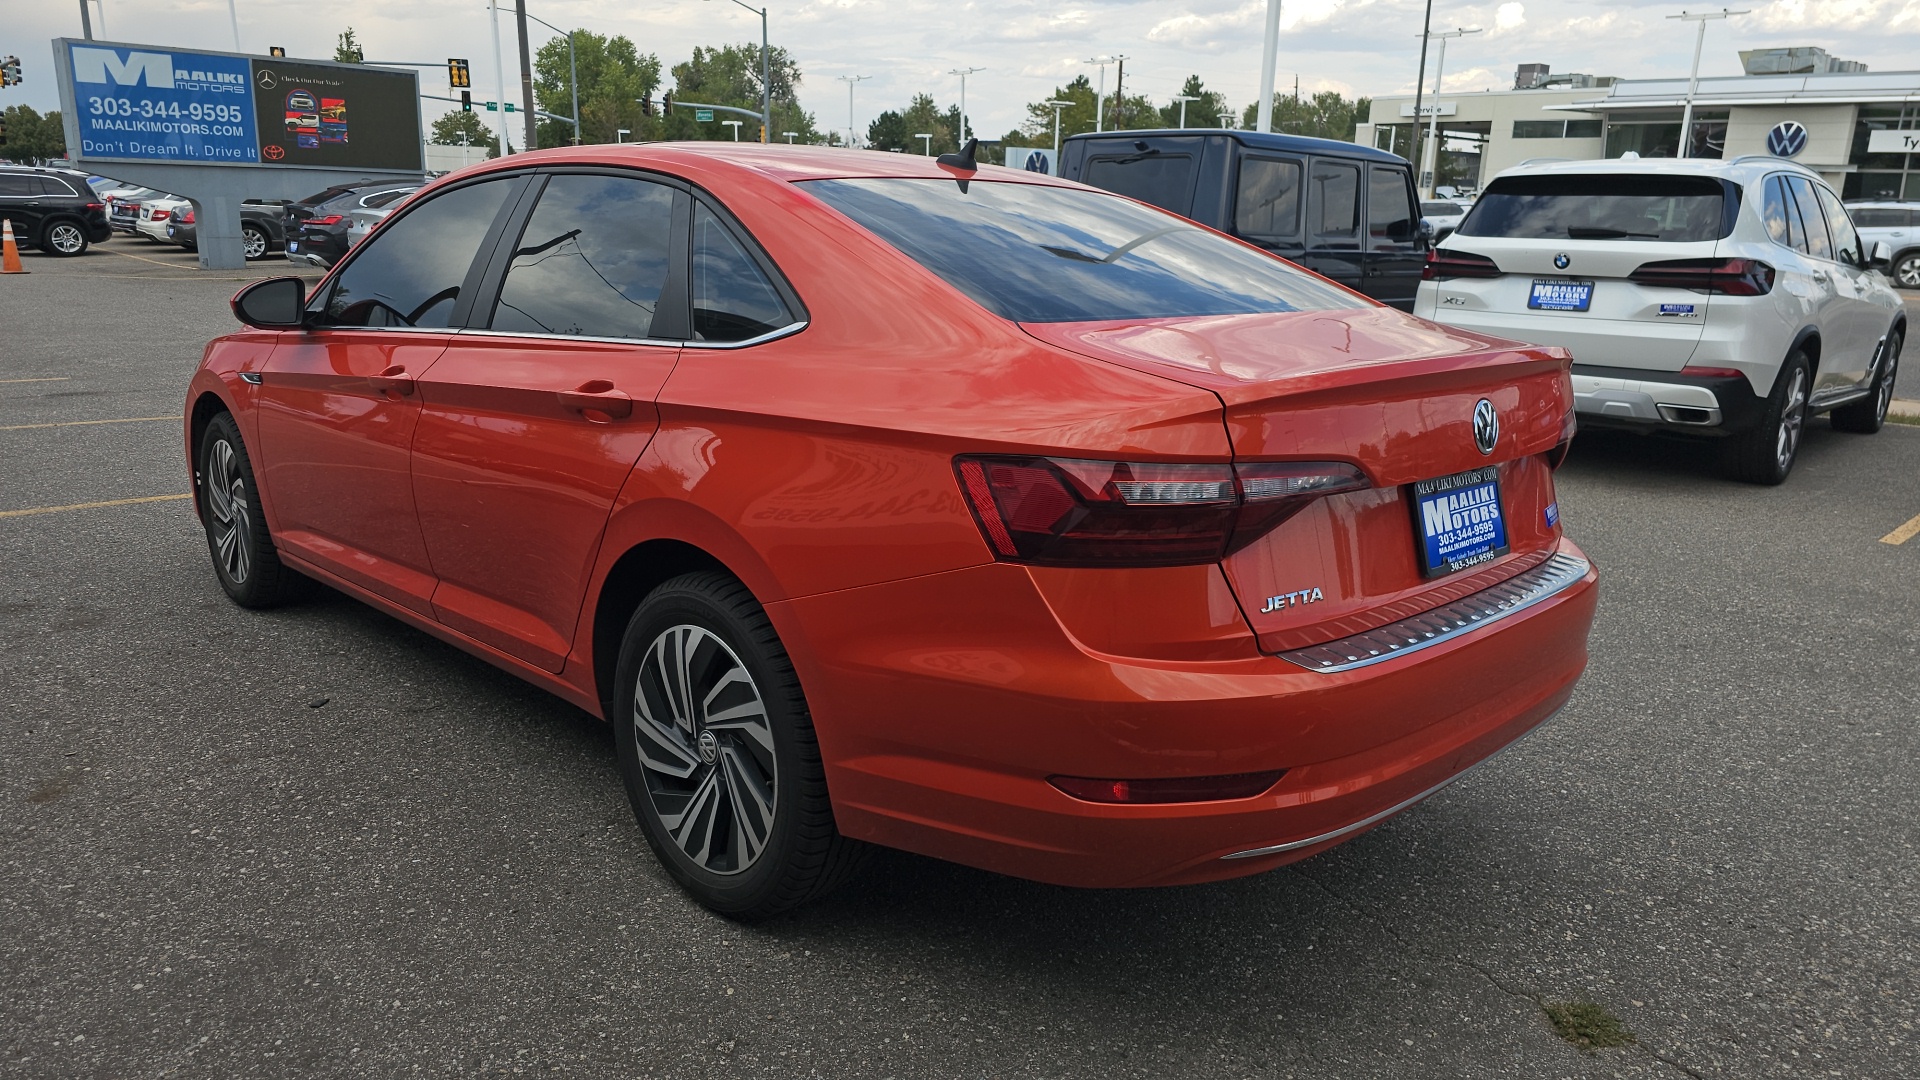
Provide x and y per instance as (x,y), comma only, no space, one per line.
(1074,512)
(1443,264)
(1731,277)
(330,219)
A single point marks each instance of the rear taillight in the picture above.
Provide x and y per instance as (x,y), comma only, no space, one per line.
(330,219)
(162,215)
(1180,789)
(1712,372)
(1443,264)
(92,206)
(185,218)
(1731,277)
(1072,512)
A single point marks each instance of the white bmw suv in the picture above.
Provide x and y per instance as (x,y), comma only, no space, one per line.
(1717,298)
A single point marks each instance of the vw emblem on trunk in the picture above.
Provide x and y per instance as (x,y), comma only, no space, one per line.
(1561,262)
(1787,138)
(1486,426)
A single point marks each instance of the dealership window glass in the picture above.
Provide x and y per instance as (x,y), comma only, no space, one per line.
(1875,185)
(592,260)
(1334,203)
(1583,129)
(411,273)
(1390,213)
(733,299)
(1165,180)
(1539,129)
(1267,201)
(1846,242)
(1601,206)
(17,185)
(1811,217)
(1032,253)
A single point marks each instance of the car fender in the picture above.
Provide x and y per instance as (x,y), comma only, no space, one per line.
(218,378)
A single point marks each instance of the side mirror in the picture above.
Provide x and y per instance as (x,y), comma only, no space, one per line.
(274,304)
(1424,233)
(1882,256)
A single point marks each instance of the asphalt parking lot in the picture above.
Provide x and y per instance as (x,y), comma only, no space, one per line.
(314,842)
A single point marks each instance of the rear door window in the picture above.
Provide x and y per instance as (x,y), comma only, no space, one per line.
(1390,216)
(413,272)
(1165,180)
(1267,198)
(1333,207)
(592,261)
(1812,219)
(733,298)
(1601,206)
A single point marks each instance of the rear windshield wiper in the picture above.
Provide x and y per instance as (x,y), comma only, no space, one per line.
(1593,232)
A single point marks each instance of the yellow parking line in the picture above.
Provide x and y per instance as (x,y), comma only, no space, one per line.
(84,423)
(1904,533)
(56,378)
(91,505)
(144,259)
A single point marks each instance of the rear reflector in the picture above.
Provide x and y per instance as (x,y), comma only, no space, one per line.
(1729,277)
(1712,372)
(1182,789)
(1443,264)
(1073,512)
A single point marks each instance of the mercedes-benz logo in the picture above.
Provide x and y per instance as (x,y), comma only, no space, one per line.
(1486,426)
(265,78)
(1561,262)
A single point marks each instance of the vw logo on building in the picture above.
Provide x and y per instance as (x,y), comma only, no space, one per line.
(1787,138)
(1486,426)
(1037,162)
(1561,262)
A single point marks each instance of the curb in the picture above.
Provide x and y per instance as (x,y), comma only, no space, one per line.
(1904,407)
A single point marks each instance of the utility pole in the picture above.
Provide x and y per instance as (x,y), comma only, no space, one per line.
(963,73)
(86,21)
(526,77)
(850,80)
(766,76)
(1431,177)
(573,74)
(1269,59)
(500,78)
(1693,79)
(1420,88)
(1119,92)
(1057,106)
(1100,99)
(233,14)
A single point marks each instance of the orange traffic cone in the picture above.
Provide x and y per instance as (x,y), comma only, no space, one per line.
(9,251)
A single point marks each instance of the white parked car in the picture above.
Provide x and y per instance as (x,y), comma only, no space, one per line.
(1717,298)
(372,210)
(154,214)
(1896,224)
(1443,216)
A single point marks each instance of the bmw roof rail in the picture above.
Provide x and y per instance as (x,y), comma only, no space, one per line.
(1542,161)
(1772,160)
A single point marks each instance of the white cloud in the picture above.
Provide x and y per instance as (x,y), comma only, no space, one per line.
(1509,17)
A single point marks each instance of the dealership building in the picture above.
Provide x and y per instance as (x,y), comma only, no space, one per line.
(1858,129)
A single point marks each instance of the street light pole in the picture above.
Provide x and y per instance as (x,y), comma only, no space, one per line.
(1269,60)
(1431,177)
(500,78)
(86,22)
(1100,100)
(1057,106)
(573,74)
(926,143)
(233,13)
(790,136)
(766,75)
(1693,78)
(1183,99)
(963,73)
(1420,88)
(850,80)
(735,125)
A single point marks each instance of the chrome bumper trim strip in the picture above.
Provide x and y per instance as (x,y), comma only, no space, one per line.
(1446,622)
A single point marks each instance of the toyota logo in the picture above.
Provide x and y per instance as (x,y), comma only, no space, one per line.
(1561,262)
(1486,426)
(1787,138)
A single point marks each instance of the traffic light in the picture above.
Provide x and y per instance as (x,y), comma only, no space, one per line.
(10,71)
(466,101)
(457,76)
(666,104)
(276,50)
(3,129)
(646,105)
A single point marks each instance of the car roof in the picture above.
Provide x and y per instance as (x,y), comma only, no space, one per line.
(1736,169)
(776,161)
(1258,140)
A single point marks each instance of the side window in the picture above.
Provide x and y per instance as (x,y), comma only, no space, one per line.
(57,185)
(592,261)
(17,185)
(1811,218)
(1267,202)
(1390,213)
(733,300)
(1333,208)
(1774,211)
(412,273)
(1846,242)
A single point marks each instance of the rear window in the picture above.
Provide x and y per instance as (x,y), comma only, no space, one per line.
(1440,209)
(1878,217)
(1044,254)
(1165,180)
(1673,209)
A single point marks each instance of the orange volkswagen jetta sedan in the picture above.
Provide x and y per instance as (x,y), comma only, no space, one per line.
(954,509)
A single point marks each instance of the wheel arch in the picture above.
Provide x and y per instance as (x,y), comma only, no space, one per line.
(640,570)
(1806,341)
(206,406)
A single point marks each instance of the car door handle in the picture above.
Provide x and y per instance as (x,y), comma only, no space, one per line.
(1820,276)
(394,382)
(597,396)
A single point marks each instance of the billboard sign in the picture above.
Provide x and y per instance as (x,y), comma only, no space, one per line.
(168,106)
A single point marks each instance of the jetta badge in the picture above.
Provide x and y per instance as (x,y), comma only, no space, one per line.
(1486,426)
(1561,262)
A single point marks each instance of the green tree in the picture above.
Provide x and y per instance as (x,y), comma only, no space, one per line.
(614,76)
(1210,111)
(33,138)
(730,75)
(348,50)
(1325,115)
(1037,129)
(901,130)
(460,128)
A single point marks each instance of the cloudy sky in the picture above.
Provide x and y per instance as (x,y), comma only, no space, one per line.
(1026,48)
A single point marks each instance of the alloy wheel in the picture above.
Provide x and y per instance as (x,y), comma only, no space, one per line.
(253,243)
(1907,274)
(706,749)
(66,238)
(1793,417)
(1890,370)
(231,521)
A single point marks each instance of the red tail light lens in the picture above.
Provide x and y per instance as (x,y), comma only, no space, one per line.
(1443,264)
(185,218)
(162,215)
(330,219)
(1731,277)
(1713,372)
(96,206)
(1180,789)
(1071,512)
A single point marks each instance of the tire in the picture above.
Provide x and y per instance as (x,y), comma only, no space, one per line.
(1765,455)
(699,786)
(253,242)
(1869,414)
(244,558)
(1905,271)
(64,239)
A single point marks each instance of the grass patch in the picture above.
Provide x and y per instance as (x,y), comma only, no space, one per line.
(1587,1025)
(1897,418)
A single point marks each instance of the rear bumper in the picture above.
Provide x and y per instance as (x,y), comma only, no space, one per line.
(943,703)
(1627,397)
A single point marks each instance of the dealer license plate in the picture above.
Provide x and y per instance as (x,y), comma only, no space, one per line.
(1551,295)
(1459,521)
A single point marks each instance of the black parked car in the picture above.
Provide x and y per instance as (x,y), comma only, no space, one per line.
(262,229)
(54,210)
(1342,210)
(316,226)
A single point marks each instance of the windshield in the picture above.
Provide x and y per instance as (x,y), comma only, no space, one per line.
(1601,206)
(1044,254)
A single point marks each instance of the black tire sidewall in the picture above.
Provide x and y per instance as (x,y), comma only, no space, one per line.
(255,591)
(700,600)
(47,238)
